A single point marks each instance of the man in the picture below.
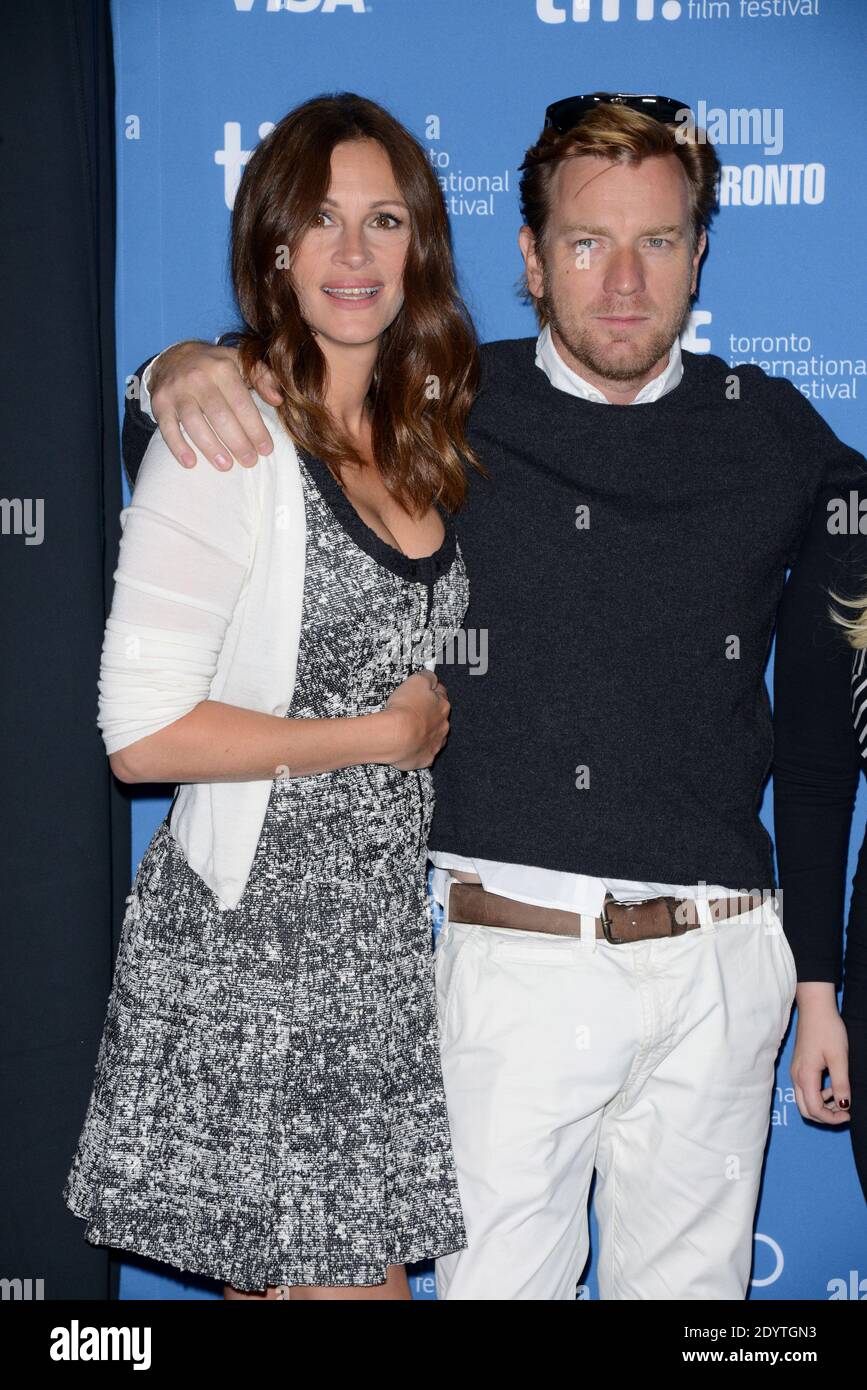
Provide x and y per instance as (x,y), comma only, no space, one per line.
(613,980)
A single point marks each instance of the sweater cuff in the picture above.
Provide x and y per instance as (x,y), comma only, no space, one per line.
(818,968)
(144,396)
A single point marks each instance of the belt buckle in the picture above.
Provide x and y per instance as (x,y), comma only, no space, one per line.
(676,928)
(607,925)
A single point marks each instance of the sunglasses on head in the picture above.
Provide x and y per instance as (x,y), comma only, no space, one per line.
(565,114)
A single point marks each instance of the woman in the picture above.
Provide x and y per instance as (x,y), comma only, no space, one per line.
(268,1106)
(819,750)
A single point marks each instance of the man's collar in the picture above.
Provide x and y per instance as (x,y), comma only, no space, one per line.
(565,379)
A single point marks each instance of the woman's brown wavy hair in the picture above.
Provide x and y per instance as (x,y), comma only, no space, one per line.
(427,370)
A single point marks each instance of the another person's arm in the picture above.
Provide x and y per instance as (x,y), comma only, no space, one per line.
(816,758)
(815,778)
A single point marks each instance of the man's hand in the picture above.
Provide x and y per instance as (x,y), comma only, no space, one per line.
(199,386)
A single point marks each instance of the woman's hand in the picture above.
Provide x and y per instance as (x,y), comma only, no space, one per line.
(419,713)
(821,1044)
(199,386)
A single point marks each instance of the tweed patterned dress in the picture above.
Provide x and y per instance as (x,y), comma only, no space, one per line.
(268,1102)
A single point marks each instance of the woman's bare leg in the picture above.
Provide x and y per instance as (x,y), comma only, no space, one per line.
(396,1287)
(229,1291)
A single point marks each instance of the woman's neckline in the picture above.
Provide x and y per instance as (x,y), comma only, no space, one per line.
(418,567)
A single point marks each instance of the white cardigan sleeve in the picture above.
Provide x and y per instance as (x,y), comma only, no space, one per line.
(186,547)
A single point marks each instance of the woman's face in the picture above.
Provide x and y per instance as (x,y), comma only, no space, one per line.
(348,269)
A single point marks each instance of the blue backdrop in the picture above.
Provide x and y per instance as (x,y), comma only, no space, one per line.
(200,82)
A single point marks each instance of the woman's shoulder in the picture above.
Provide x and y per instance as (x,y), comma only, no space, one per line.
(160,474)
(224,507)
(284,457)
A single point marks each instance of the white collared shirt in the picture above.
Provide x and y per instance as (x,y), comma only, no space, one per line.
(562,376)
(548,887)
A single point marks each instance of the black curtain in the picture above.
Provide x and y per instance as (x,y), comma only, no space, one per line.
(65,822)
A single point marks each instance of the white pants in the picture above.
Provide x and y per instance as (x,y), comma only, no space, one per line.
(651,1062)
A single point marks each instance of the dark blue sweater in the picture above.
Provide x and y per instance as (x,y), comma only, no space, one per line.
(632,648)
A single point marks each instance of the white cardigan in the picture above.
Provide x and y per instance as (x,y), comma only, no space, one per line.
(207,605)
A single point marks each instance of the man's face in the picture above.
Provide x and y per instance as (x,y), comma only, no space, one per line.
(618,268)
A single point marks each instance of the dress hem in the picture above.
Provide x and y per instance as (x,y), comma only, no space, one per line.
(325,1275)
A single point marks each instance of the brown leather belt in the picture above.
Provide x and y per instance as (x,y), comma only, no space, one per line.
(619,922)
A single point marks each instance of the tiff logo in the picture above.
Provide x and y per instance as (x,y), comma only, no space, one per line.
(25,1290)
(550,12)
(233,157)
